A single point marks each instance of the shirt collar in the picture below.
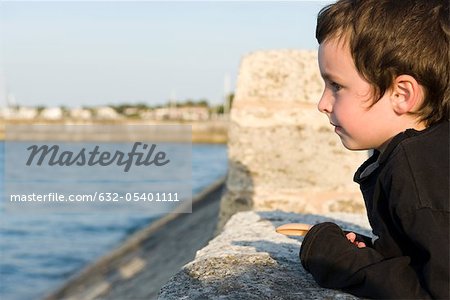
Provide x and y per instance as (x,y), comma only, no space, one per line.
(378,158)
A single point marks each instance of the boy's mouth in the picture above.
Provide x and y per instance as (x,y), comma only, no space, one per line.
(337,128)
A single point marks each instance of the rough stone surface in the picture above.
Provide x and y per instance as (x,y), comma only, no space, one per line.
(283,153)
(249,260)
(282,75)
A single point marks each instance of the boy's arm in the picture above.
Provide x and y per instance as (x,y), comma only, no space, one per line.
(428,232)
(336,263)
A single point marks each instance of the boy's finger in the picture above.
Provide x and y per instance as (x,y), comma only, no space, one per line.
(351,237)
(361,245)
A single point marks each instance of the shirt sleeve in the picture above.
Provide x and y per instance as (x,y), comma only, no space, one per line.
(428,232)
(417,189)
(336,263)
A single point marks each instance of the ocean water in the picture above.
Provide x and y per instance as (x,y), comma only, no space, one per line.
(38,252)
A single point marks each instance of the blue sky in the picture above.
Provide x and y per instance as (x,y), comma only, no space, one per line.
(96,53)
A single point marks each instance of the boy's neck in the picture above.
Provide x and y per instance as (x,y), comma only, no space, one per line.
(417,126)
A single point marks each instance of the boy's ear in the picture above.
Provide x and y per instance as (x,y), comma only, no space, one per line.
(406,95)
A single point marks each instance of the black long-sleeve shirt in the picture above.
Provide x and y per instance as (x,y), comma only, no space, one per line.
(406,192)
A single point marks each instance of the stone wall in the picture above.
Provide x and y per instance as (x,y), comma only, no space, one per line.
(249,260)
(283,153)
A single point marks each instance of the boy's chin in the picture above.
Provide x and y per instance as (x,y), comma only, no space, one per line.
(351,145)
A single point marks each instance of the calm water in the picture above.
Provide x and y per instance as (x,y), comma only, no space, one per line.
(38,252)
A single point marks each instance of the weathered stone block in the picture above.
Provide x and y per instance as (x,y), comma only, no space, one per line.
(249,260)
(283,153)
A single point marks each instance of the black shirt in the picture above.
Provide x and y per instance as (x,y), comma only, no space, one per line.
(406,192)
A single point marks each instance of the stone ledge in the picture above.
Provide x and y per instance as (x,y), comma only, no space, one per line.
(249,260)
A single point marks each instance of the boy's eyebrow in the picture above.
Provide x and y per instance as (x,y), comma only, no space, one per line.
(328,76)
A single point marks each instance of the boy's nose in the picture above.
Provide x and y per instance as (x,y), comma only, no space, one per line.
(325,106)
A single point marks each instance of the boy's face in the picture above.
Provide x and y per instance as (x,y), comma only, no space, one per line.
(347,100)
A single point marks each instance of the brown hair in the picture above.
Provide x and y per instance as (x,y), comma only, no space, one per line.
(388,38)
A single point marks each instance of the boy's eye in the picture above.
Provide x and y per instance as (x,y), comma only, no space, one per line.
(336,87)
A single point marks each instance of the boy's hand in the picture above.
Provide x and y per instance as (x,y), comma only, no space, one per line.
(351,236)
(332,258)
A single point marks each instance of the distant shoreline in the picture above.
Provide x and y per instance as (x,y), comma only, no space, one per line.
(211,132)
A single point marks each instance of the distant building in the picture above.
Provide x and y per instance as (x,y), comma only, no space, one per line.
(188,113)
(131,111)
(7,112)
(147,114)
(52,113)
(106,112)
(26,113)
(162,113)
(199,113)
(80,113)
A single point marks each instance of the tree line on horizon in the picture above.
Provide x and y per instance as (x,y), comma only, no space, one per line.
(141,106)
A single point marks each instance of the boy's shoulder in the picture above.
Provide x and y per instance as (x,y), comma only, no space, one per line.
(419,145)
(427,145)
(419,160)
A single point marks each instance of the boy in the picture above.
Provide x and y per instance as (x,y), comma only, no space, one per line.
(386,69)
